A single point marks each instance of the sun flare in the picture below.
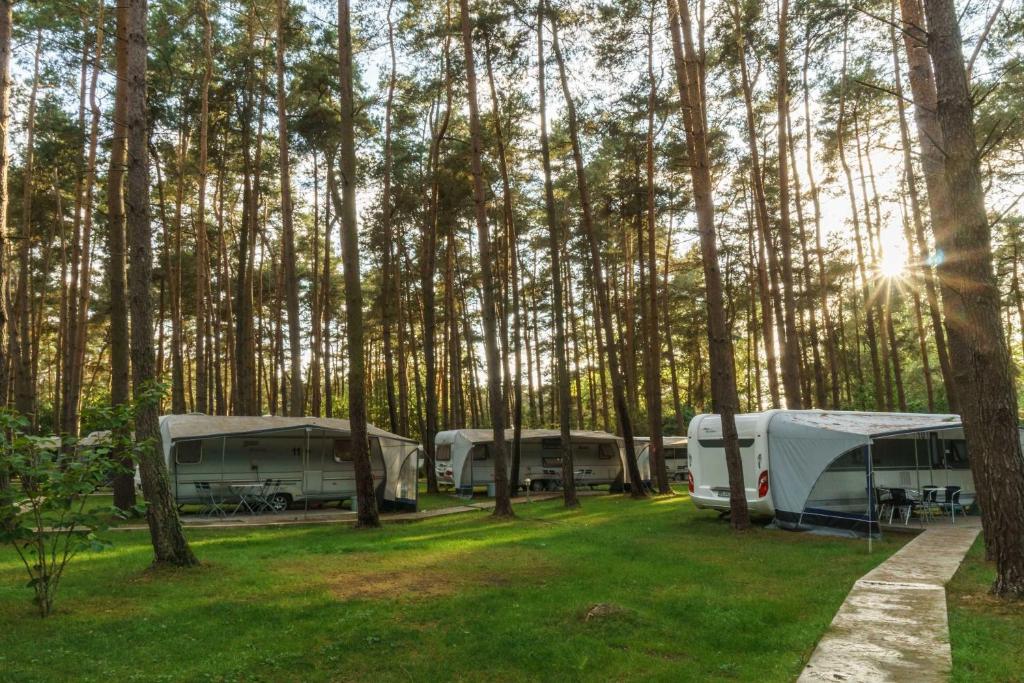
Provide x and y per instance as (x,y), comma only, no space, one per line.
(893,265)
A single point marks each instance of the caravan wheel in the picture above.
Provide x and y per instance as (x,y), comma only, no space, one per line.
(279,502)
(536,485)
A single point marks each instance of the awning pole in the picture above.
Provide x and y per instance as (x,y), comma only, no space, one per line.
(871,495)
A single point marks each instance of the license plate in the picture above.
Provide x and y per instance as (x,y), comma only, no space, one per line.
(723,494)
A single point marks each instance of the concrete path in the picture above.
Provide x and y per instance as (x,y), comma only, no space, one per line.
(892,626)
(335,515)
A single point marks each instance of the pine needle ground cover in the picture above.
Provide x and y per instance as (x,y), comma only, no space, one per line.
(986,634)
(619,590)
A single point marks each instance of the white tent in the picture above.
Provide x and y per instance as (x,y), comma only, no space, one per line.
(804,444)
(671,444)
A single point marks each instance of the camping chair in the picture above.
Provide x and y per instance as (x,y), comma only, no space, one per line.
(902,502)
(929,502)
(264,498)
(211,503)
(952,501)
(883,500)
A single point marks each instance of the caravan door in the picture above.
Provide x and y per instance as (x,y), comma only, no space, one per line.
(312,467)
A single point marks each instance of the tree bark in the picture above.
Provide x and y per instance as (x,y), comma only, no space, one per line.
(600,286)
(557,302)
(512,239)
(6,26)
(21,346)
(765,290)
(723,384)
(169,544)
(979,354)
(288,257)
(653,355)
(929,140)
(366,500)
(202,270)
(389,296)
(791,343)
(503,504)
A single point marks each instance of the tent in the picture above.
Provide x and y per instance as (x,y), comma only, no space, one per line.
(310,455)
(675,458)
(597,457)
(804,445)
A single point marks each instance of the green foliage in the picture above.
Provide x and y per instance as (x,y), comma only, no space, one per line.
(44,510)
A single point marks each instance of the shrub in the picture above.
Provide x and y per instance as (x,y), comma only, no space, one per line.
(45,484)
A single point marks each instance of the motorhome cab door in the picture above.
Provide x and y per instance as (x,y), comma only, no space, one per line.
(312,467)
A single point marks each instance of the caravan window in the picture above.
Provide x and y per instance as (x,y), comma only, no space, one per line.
(675,454)
(480,452)
(343,450)
(188,452)
(606,451)
(720,443)
(443,453)
(551,443)
(956,455)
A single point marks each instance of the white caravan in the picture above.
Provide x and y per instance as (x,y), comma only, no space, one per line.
(810,467)
(308,458)
(674,449)
(463,458)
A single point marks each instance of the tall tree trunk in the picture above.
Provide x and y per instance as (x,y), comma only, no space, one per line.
(980,358)
(124,483)
(791,343)
(512,240)
(823,281)
(202,269)
(929,139)
(6,26)
(80,289)
(389,295)
(876,371)
(503,505)
(766,291)
(653,355)
(353,287)
(688,70)
(169,544)
(600,287)
(288,256)
(21,345)
(677,403)
(428,267)
(557,302)
(244,380)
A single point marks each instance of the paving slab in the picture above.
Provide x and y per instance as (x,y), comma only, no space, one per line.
(892,626)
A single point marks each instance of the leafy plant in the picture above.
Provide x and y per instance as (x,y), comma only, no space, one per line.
(44,507)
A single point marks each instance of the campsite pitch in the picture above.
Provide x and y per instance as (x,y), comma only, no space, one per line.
(617,590)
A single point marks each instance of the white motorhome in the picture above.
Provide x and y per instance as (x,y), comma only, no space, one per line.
(674,449)
(308,458)
(463,458)
(810,467)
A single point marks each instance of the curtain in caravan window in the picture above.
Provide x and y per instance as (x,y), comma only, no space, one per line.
(188,452)
(342,450)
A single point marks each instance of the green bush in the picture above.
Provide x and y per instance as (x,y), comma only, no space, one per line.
(45,484)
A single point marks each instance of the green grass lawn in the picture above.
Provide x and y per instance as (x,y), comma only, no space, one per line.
(454,598)
(987,635)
